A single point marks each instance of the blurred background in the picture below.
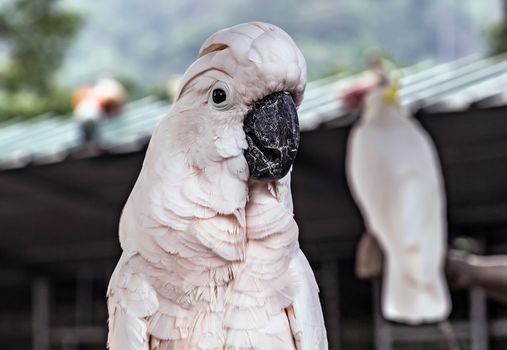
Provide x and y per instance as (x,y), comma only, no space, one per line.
(84,83)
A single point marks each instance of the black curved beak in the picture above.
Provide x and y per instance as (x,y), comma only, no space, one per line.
(272,132)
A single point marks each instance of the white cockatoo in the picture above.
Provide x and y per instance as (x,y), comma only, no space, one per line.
(395,178)
(210,248)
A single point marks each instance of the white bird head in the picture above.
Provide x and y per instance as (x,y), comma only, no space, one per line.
(240,96)
(383,103)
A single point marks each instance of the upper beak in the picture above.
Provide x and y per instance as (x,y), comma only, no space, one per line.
(272,132)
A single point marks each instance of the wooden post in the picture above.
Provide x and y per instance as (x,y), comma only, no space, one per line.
(331,302)
(40,314)
(69,346)
(84,296)
(478,320)
(382,329)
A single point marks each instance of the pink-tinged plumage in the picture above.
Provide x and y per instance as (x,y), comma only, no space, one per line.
(210,259)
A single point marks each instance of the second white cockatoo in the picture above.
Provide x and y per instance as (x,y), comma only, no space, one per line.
(395,177)
(210,247)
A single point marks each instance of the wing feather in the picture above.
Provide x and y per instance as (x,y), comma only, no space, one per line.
(131,300)
(305,314)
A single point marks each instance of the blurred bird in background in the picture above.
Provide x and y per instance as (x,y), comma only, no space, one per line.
(395,178)
(103,100)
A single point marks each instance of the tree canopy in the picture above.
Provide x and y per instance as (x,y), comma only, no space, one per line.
(37,34)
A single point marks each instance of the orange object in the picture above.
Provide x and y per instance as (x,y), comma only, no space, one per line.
(80,95)
(107,95)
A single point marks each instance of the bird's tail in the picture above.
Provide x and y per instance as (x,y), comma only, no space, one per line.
(409,299)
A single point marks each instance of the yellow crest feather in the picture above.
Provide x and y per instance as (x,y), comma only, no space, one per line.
(391,94)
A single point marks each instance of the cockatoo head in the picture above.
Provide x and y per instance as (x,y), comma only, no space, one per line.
(240,96)
(383,102)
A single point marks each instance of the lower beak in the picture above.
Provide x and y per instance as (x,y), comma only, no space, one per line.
(272,132)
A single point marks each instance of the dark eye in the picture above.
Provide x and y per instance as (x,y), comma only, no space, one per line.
(219,95)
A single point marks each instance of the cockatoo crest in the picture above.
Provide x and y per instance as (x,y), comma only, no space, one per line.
(391,94)
(260,57)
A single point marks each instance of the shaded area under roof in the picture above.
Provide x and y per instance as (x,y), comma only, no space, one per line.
(57,215)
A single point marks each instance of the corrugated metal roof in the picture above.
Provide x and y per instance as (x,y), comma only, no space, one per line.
(452,85)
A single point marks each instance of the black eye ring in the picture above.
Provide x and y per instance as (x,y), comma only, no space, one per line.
(219,95)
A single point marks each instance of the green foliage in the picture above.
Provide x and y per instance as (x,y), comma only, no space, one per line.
(135,91)
(336,69)
(38,34)
(27,105)
(132,88)
(467,244)
(160,92)
(498,38)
